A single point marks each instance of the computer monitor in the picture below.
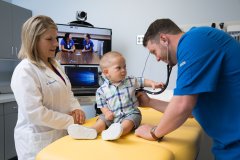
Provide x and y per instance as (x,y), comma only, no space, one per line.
(101,38)
(84,79)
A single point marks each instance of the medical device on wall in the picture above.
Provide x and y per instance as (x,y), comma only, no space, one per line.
(234,31)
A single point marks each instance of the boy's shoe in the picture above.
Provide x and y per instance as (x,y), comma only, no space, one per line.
(80,132)
(113,132)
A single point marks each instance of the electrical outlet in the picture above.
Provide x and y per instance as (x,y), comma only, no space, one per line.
(140,39)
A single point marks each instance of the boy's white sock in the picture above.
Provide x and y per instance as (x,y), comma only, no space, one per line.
(113,132)
(80,132)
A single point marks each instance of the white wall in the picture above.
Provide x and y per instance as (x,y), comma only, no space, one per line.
(128,18)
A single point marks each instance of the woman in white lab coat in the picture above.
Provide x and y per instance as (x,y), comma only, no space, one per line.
(46,105)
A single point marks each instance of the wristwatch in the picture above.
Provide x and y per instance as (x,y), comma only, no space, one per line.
(154,136)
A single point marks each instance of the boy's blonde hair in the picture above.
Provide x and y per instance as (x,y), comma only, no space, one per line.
(32,29)
(106,60)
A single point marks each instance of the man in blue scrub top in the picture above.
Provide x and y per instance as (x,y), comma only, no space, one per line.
(208,84)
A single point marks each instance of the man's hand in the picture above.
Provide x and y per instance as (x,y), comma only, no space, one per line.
(144,132)
(143,99)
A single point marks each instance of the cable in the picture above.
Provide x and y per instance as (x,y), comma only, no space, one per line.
(145,64)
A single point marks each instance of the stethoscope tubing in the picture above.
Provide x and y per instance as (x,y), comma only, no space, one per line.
(169,70)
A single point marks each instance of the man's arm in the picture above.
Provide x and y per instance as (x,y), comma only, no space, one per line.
(176,113)
(145,101)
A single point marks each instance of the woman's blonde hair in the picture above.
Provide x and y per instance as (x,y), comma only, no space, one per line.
(32,29)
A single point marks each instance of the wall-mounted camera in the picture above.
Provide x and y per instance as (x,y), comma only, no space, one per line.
(81,17)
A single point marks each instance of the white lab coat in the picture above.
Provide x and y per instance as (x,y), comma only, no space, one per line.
(44,101)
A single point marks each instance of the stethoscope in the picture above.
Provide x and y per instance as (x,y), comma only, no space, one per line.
(169,70)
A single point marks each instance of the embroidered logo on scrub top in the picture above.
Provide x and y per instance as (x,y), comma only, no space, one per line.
(50,82)
(182,64)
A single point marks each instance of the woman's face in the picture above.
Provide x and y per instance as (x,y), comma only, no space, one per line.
(47,44)
(86,38)
(69,37)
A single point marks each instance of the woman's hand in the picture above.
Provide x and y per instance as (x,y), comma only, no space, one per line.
(78,116)
(71,50)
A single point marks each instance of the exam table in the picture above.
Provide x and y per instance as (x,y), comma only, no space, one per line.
(181,144)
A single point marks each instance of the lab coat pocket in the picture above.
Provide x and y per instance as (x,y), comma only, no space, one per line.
(41,140)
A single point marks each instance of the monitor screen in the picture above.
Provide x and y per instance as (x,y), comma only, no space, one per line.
(101,42)
(82,77)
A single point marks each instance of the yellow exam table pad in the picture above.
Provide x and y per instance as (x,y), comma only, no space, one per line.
(182,144)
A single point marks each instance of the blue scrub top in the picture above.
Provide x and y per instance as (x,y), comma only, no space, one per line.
(88,45)
(209,65)
(67,45)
